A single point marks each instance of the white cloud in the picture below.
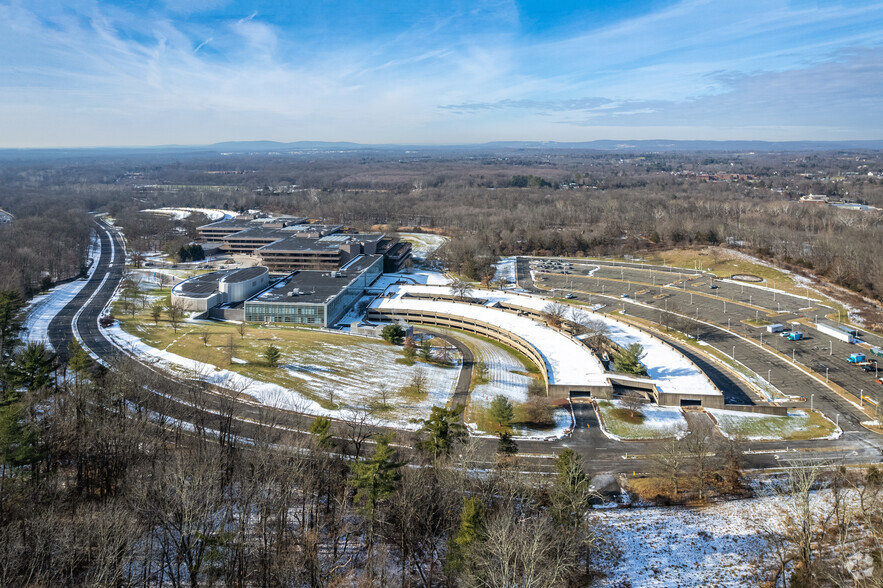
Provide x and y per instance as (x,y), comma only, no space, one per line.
(109,76)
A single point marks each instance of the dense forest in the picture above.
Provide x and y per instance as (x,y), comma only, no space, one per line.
(99,488)
(512,202)
(96,488)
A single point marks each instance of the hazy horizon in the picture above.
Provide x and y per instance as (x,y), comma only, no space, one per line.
(98,73)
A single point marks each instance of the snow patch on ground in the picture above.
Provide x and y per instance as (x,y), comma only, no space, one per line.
(765,427)
(660,422)
(423,244)
(213,214)
(505,271)
(719,545)
(368,366)
(42,309)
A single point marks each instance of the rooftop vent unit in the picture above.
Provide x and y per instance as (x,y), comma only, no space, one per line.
(294,292)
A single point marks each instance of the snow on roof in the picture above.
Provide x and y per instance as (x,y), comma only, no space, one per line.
(670,371)
(568,362)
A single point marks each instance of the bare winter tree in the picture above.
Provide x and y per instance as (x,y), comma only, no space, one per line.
(175,312)
(359,425)
(554,313)
(461,288)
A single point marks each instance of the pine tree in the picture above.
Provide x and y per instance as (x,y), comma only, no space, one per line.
(628,361)
(443,429)
(321,429)
(34,366)
(272,355)
(425,350)
(469,533)
(501,411)
(79,361)
(11,318)
(19,439)
(506,446)
(373,480)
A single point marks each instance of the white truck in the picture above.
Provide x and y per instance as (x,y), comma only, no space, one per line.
(775,328)
(835,332)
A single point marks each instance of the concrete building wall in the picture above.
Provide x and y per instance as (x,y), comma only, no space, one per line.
(239,291)
(197,304)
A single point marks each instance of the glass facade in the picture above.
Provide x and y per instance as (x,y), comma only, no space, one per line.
(281,312)
(311,313)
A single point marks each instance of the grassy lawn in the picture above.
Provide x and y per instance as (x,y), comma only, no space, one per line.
(799,425)
(723,263)
(654,422)
(333,370)
(522,424)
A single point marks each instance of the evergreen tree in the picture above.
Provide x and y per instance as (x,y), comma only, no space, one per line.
(156,312)
(11,318)
(19,439)
(506,446)
(79,361)
(443,429)
(425,350)
(628,361)
(34,366)
(570,495)
(468,535)
(501,411)
(373,480)
(321,429)
(272,355)
(393,333)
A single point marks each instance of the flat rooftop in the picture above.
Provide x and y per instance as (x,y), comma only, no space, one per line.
(204,285)
(244,274)
(297,244)
(670,371)
(313,286)
(233,223)
(568,362)
(201,286)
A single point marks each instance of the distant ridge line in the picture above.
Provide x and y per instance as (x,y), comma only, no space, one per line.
(604,145)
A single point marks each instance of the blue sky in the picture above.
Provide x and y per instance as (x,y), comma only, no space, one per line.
(150,72)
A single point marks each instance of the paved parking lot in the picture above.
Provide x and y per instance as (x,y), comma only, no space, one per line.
(655,294)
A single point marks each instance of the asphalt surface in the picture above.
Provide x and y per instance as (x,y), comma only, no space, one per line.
(197,406)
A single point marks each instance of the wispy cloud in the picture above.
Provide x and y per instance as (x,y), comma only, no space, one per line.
(96,73)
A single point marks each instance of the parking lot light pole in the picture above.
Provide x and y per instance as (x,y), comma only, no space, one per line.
(734,352)
(768,372)
(728,324)
(792,356)
(811,396)
(830,348)
(826,375)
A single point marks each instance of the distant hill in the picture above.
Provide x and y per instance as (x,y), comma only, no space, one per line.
(666,145)
(242,147)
